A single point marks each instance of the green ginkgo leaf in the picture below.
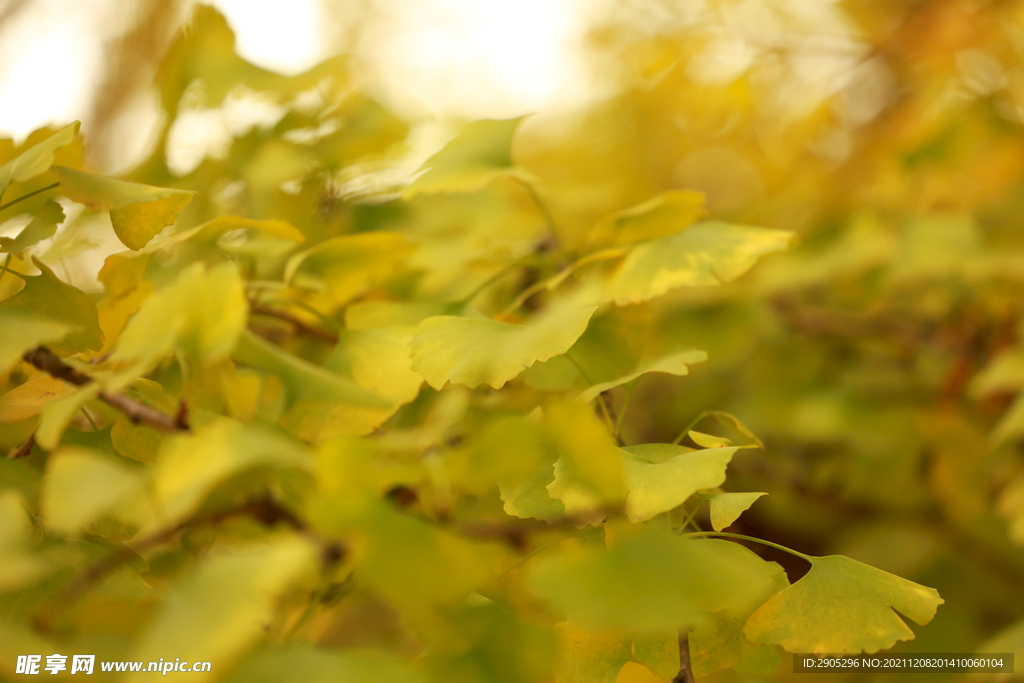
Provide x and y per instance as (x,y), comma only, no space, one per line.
(137,212)
(474,351)
(665,214)
(191,465)
(80,485)
(719,642)
(481,152)
(57,414)
(704,254)
(842,605)
(303,379)
(657,485)
(36,159)
(222,605)
(342,267)
(42,226)
(24,330)
(46,295)
(674,363)
(647,582)
(727,507)
(202,312)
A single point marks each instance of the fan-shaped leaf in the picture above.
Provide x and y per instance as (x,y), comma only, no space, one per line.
(36,159)
(727,507)
(24,330)
(647,582)
(472,351)
(666,214)
(481,152)
(705,254)
(674,363)
(656,487)
(28,399)
(42,226)
(842,605)
(81,485)
(137,212)
(46,295)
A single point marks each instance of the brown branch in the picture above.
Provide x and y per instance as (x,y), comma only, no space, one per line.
(25,448)
(329,336)
(685,674)
(47,361)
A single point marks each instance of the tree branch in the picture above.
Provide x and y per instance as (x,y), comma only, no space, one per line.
(329,336)
(685,674)
(47,361)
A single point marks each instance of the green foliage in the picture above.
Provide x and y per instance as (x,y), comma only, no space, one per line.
(322,424)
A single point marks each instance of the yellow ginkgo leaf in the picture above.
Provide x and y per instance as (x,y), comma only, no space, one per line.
(666,214)
(704,254)
(658,485)
(137,212)
(24,330)
(481,152)
(474,351)
(46,295)
(81,485)
(674,363)
(727,507)
(212,229)
(42,226)
(28,399)
(842,605)
(36,159)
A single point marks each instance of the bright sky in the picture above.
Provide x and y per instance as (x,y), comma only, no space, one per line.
(462,58)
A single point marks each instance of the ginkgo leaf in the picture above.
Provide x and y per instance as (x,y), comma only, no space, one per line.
(600,656)
(647,582)
(342,267)
(36,159)
(57,414)
(302,378)
(214,228)
(719,642)
(24,330)
(42,226)
(674,363)
(704,254)
(475,351)
(481,152)
(708,440)
(842,605)
(727,507)
(665,214)
(591,473)
(18,566)
(46,295)
(202,312)
(28,399)
(137,212)
(659,486)
(221,606)
(80,485)
(190,466)
(136,441)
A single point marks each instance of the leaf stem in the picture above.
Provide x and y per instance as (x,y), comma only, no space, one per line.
(685,674)
(600,399)
(752,539)
(29,195)
(89,418)
(549,220)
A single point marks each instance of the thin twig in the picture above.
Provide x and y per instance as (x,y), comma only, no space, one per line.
(29,195)
(685,674)
(329,336)
(25,448)
(47,361)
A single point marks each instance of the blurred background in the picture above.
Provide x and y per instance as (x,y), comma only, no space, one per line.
(881,361)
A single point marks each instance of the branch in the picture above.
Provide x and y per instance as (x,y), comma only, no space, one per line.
(47,361)
(685,674)
(329,336)
(25,448)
